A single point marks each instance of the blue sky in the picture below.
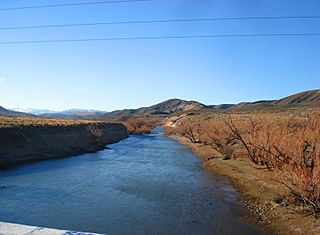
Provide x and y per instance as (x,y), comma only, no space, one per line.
(128,74)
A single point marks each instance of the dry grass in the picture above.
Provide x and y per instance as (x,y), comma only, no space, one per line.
(25,121)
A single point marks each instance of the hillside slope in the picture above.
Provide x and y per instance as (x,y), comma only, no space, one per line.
(303,99)
(166,107)
(310,98)
(7,112)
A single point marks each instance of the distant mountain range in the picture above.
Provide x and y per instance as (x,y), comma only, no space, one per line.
(303,99)
(8,112)
(74,113)
(32,111)
(70,113)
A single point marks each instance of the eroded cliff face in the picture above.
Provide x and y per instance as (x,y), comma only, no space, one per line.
(32,143)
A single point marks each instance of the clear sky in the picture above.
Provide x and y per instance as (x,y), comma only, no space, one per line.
(128,74)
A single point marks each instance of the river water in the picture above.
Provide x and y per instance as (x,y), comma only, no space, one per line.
(147,184)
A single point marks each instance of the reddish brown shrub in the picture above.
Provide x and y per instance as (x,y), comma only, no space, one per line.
(140,125)
(218,136)
(191,130)
(287,145)
(169,130)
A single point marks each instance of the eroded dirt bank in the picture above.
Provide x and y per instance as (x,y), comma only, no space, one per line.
(259,192)
(22,144)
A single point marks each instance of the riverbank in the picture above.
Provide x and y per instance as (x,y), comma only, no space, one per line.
(43,141)
(260,193)
(142,178)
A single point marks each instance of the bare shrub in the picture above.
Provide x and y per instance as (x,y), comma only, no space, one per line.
(218,137)
(140,125)
(190,130)
(169,130)
(213,133)
(288,146)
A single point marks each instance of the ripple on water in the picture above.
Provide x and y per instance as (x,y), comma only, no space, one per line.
(142,185)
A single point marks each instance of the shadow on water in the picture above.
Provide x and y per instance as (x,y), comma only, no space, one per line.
(142,185)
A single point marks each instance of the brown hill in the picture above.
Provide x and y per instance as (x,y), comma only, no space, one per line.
(303,99)
(306,98)
(166,107)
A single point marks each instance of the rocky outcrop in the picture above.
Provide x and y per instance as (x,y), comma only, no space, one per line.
(32,143)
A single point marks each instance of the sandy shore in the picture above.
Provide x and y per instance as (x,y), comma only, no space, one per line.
(258,192)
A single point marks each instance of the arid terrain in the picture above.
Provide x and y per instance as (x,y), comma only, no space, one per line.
(270,157)
(269,149)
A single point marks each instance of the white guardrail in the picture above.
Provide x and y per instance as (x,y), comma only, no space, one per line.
(19,229)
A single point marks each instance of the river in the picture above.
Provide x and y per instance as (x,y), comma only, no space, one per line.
(146,184)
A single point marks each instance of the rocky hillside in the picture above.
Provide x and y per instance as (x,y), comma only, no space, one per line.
(166,107)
